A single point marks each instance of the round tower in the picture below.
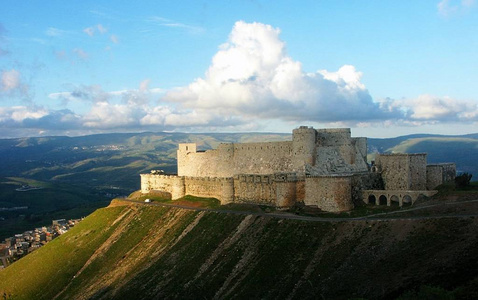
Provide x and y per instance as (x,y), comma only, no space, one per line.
(303,147)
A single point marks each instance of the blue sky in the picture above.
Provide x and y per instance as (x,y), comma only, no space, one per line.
(383,68)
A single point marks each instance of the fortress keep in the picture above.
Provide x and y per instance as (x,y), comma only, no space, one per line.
(326,168)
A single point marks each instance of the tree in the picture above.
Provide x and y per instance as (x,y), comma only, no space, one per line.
(463,180)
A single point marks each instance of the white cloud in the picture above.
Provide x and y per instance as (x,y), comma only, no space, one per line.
(81,53)
(173,24)
(252,75)
(447,8)
(89,31)
(440,109)
(101,28)
(10,80)
(11,85)
(55,32)
(114,39)
(251,81)
(92,30)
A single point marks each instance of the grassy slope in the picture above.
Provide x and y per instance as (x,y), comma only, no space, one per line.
(154,252)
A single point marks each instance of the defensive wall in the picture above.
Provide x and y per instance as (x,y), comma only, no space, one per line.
(330,193)
(317,152)
(440,173)
(403,171)
(326,168)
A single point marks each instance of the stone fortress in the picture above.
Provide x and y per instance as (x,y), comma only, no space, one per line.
(326,168)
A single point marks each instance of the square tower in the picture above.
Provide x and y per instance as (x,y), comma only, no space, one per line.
(403,171)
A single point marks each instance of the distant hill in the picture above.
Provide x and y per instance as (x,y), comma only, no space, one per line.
(147,252)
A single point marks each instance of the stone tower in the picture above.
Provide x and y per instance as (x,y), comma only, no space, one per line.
(303,147)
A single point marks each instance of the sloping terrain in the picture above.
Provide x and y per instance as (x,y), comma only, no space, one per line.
(142,252)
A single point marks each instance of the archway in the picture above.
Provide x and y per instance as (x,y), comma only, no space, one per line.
(407,200)
(382,200)
(372,199)
(394,201)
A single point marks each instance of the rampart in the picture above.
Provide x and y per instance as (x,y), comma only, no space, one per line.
(210,187)
(326,168)
(402,171)
(232,159)
(329,193)
(167,183)
(440,173)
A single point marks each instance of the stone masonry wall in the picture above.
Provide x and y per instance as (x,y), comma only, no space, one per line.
(394,169)
(254,189)
(439,174)
(329,193)
(166,183)
(403,171)
(219,188)
(418,171)
(232,159)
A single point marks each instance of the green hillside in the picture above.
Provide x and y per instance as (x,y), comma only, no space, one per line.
(148,252)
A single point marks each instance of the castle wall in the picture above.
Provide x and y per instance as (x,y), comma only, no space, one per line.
(254,189)
(365,181)
(418,172)
(262,158)
(274,173)
(232,159)
(394,169)
(361,147)
(439,174)
(207,187)
(304,141)
(166,183)
(403,171)
(329,193)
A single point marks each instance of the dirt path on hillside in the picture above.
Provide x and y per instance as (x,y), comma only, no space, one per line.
(374,217)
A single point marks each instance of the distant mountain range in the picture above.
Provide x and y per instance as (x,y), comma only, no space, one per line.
(113,162)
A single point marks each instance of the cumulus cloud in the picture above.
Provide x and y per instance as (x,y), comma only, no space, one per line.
(428,108)
(253,75)
(250,80)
